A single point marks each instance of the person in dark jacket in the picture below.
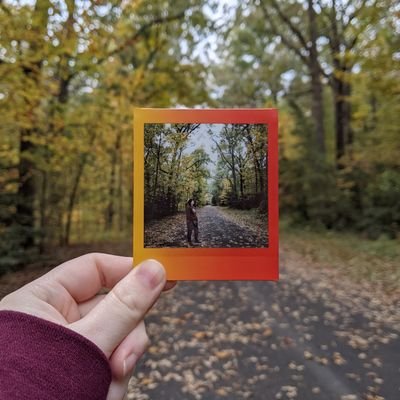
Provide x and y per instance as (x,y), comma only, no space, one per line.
(192,222)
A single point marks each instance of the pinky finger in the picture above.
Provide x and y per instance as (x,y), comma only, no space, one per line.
(127,354)
(119,388)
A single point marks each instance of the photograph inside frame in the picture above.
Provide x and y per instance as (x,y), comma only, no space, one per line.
(205,185)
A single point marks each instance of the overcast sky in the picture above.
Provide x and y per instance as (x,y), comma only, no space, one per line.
(201,138)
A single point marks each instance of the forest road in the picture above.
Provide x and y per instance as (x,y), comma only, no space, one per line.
(313,335)
(216,229)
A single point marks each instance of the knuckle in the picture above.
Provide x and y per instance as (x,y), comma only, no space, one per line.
(128,301)
(40,291)
(89,257)
(92,254)
(92,257)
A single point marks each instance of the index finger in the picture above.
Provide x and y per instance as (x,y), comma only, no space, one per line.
(84,276)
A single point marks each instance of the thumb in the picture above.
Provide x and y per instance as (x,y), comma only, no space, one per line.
(123,308)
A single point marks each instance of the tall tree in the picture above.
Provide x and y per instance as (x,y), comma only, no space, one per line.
(62,66)
(344,25)
(297,28)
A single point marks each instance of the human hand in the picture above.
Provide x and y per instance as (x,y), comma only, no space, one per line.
(68,295)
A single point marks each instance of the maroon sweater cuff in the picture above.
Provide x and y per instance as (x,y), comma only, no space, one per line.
(40,360)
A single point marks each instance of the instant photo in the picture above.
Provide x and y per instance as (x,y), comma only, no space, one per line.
(205,192)
(204,185)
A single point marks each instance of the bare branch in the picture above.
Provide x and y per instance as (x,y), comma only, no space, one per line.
(355,14)
(131,41)
(222,153)
(284,39)
(289,23)
(195,163)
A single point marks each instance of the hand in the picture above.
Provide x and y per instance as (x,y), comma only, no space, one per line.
(68,295)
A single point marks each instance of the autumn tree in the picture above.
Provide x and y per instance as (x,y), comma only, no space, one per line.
(173,173)
(70,74)
(242,161)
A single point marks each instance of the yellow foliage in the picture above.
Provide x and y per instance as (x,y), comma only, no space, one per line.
(288,141)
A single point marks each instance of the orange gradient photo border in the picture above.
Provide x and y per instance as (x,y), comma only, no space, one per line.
(209,263)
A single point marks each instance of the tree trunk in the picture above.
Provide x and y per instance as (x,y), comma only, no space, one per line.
(256,163)
(343,133)
(318,110)
(110,212)
(43,207)
(171,179)
(26,188)
(25,217)
(120,194)
(71,201)
(316,85)
(241,180)
(255,177)
(341,88)
(74,192)
(155,183)
(233,170)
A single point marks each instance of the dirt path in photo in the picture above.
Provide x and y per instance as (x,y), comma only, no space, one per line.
(216,229)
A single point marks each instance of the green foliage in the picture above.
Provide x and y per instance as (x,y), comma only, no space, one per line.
(352,184)
(70,73)
(173,173)
(242,166)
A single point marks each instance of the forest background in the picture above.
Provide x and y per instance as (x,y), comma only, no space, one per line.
(213,164)
(71,71)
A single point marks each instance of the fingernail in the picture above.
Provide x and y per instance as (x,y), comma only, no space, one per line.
(129,363)
(151,273)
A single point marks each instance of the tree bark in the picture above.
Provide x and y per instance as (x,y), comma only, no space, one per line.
(43,207)
(233,170)
(305,47)
(341,88)
(343,133)
(121,213)
(316,84)
(74,192)
(110,211)
(259,179)
(25,210)
(25,216)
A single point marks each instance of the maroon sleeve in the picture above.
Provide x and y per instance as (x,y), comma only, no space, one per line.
(40,360)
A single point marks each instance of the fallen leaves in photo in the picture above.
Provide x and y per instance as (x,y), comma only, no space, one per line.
(218,227)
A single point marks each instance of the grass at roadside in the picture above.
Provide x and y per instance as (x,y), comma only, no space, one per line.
(358,258)
(249,218)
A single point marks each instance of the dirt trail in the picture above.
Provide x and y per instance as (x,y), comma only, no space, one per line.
(312,335)
(216,229)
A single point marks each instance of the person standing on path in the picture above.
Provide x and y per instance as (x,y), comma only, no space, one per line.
(192,222)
